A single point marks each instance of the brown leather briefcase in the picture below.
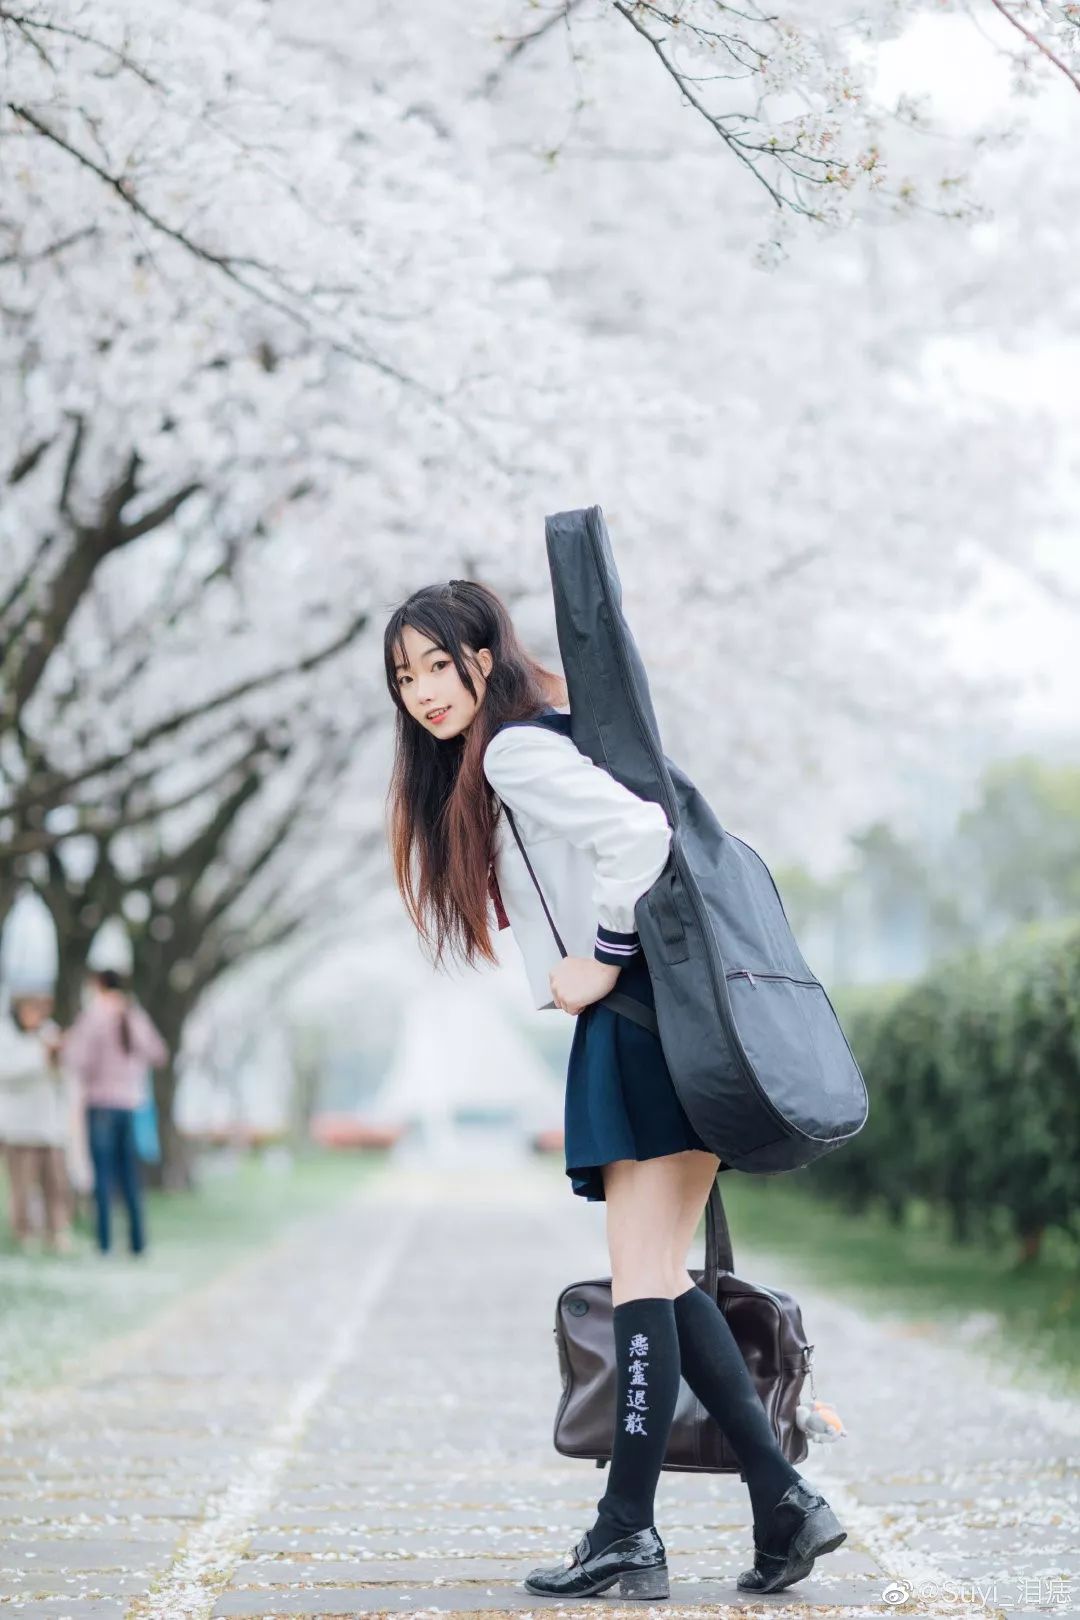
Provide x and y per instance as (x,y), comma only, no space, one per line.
(766,1322)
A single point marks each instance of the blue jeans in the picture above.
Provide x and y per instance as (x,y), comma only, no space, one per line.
(112,1149)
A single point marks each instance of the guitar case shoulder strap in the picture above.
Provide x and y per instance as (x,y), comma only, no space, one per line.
(617,1000)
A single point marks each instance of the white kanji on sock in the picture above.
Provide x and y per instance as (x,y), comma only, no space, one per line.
(636,1404)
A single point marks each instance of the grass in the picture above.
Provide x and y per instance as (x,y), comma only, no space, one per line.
(53,1308)
(1028,1314)
(1025,1315)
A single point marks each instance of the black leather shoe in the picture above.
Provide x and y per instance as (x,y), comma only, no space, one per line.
(799,1529)
(637,1561)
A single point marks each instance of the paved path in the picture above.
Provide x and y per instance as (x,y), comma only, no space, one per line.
(358,1421)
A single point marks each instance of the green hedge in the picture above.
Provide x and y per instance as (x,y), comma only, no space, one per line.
(973,1074)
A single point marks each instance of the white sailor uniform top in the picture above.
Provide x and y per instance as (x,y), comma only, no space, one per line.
(595,847)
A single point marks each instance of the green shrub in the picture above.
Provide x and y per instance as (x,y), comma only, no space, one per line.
(973,1074)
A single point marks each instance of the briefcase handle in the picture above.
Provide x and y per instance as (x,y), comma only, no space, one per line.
(718,1252)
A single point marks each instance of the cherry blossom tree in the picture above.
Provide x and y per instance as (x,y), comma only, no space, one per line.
(303,309)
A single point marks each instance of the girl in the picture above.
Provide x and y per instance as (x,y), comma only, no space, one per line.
(35,1115)
(109,1047)
(478,728)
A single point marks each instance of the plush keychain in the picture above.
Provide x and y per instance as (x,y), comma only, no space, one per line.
(817,1419)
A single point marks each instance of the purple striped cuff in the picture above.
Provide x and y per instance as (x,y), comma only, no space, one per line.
(617,949)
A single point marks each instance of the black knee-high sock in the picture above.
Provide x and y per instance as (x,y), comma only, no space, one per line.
(647,1387)
(713,1366)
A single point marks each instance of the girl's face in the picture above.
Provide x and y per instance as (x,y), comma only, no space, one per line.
(32,1011)
(428,683)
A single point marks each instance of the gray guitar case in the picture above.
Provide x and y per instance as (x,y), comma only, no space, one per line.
(755,1049)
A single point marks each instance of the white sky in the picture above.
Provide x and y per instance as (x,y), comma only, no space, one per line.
(1014,626)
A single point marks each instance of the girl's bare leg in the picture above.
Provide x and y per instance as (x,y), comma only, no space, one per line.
(653,1209)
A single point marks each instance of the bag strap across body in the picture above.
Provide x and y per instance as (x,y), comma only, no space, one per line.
(617,1000)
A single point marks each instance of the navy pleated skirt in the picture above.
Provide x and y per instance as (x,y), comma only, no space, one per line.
(621,1101)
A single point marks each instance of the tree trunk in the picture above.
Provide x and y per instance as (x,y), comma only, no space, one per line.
(307,1085)
(175,1171)
(9,891)
(1030,1245)
(72,949)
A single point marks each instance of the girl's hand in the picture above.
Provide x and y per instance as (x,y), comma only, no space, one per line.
(577,981)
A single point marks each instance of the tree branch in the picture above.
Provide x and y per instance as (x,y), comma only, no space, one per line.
(26,463)
(275,838)
(230,266)
(53,249)
(90,546)
(95,823)
(70,464)
(561,14)
(744,150)
(55,791)
(1039,44)
(159,514)
(28,25)
(23,581)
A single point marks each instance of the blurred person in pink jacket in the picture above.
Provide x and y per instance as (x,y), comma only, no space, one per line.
(108,1048)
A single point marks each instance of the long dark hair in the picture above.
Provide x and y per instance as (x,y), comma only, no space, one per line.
(109,979)
(442,811)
